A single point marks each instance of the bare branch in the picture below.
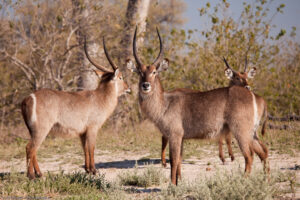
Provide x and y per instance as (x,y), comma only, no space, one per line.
(285,118)
(25,69)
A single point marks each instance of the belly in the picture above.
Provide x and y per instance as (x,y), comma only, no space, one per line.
(202,129)
(58,130)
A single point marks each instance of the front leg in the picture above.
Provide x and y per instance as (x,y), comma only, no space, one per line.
(175,147)
(164,143)
(91,141)
(86,152)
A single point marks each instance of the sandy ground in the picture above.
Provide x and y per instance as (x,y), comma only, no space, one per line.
(113,164)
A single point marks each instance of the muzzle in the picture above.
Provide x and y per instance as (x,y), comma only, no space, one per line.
(146,87)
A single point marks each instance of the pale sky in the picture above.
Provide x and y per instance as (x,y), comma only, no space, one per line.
(289,18)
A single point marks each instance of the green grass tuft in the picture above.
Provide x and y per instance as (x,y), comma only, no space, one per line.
(66,186)
(229,186)
(150,177)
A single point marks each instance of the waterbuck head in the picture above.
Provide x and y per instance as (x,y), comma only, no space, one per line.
(107,76)
(239,78)
(148,73)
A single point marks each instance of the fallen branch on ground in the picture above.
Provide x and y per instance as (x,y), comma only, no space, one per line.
(284,119)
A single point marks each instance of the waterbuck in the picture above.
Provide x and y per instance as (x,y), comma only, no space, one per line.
(184,113)
(72,114)
(236,79)
(241,79)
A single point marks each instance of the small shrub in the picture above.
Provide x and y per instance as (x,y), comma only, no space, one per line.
(67,186)
(152,176)
(229,186)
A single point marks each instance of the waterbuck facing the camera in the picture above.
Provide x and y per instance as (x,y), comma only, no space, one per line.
(241,79)
(184,113)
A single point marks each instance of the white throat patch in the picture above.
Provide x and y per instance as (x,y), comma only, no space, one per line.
(33,114)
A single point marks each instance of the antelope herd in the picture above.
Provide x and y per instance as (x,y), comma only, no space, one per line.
(178,114)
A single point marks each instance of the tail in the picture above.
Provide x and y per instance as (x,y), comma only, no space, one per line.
(263,130)
(26,112)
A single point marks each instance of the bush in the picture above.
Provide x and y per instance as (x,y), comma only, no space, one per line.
(67,186)
(227,186)
(152,176)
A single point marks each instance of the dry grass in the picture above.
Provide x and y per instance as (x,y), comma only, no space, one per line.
(82,186)
(150,177)
(144,138)
(231,186)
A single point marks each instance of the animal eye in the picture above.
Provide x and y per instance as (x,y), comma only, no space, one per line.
(154,72)
(120,77)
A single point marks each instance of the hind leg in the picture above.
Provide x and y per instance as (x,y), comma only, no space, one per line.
(248,155)
(244,142)
(31,149)
(261,150)
(228,142)
(164,143)
(29,160)
(37,170)
(221,154)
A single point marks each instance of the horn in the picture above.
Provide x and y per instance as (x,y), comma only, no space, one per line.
(161,51)
(226,63)
(108,57)
(246,63)
(138,61)
(90,59)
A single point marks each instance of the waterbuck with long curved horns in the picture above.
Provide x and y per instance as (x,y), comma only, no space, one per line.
(184,113)
(72,113)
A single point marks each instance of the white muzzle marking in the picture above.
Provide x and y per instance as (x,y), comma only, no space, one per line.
(33,114)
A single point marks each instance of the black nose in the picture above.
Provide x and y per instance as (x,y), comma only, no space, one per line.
(146,85)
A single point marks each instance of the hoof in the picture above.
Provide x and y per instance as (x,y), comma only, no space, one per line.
(232,158)
(31,176)
(223,161)
(93,171)
(164,165)
(38,174)
(87,170)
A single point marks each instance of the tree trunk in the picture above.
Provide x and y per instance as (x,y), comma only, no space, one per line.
(88,80)
(136,14)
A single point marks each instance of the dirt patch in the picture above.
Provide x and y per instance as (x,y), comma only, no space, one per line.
(113,164)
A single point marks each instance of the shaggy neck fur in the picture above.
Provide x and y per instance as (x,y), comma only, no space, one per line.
(107,93)
(153,104)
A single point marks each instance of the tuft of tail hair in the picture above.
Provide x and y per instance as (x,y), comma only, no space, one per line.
(264,126)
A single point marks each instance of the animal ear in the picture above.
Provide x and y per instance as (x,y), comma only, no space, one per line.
(116,73)
(131,66)
(251,72)
(98,73)
(228,73)
(163,66)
